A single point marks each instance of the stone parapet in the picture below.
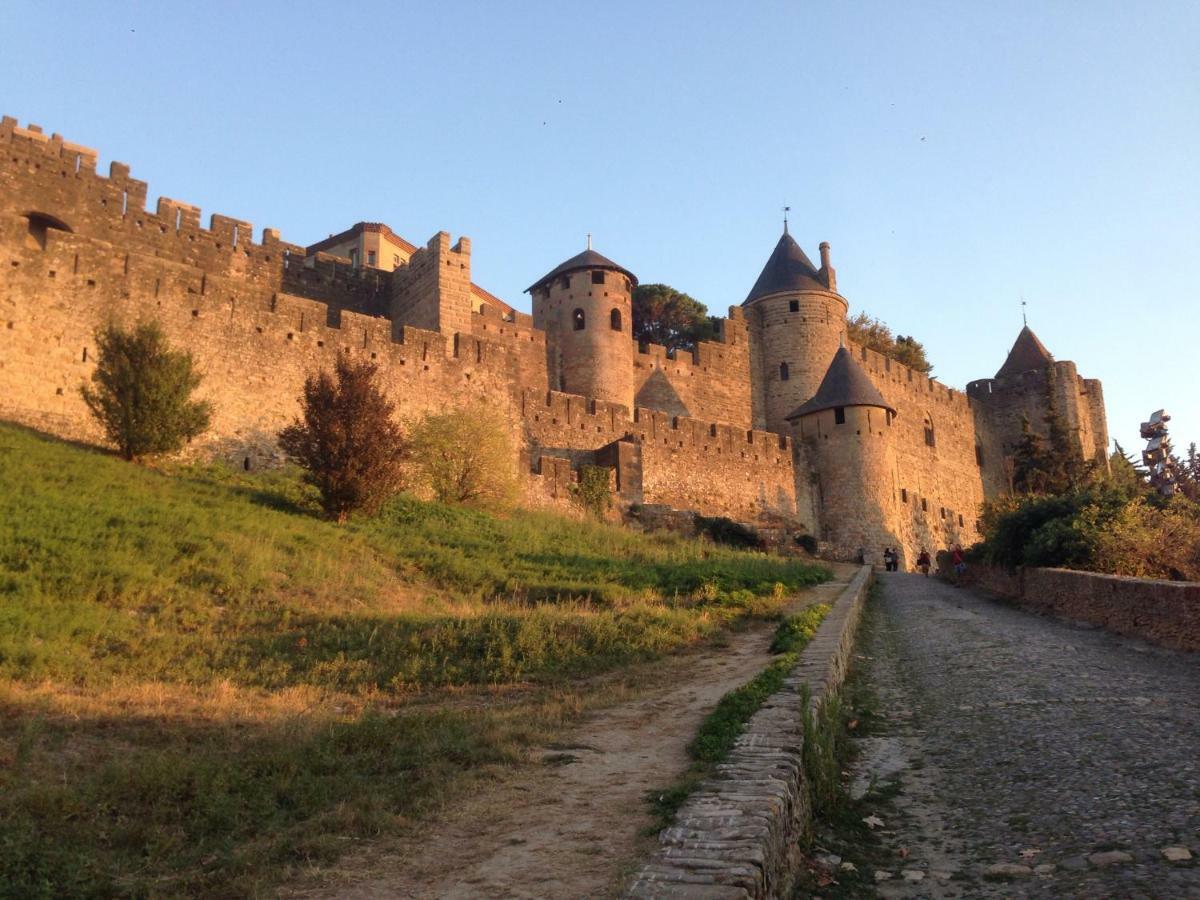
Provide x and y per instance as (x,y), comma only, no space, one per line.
(739,835)
(1162,612)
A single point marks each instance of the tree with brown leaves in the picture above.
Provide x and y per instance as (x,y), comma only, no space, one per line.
(347,441)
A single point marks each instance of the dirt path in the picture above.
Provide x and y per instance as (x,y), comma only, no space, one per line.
(570,827)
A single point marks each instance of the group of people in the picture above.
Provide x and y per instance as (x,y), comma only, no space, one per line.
(891,561)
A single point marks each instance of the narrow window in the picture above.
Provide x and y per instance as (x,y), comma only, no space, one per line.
(395,260)
(960,520)
(85,354)
(924,505)
(903,495)
(614,319)
(930,440)
(577,319)
(246,464)
(793,306)
(371,258)
(784,375)
(839,415)
(354,257)
(598,277)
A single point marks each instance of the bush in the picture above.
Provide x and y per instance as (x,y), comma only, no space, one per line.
(466,456)
(807,543)
(592,493)
(141,391)
(1100,528)
(349,445)
(728,532)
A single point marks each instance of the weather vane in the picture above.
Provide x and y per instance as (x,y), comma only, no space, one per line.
(1024,320)
(786,210)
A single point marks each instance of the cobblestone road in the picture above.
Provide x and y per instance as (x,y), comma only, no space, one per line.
(1035,758)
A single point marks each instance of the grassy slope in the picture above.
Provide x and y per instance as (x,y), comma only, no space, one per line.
(202,684)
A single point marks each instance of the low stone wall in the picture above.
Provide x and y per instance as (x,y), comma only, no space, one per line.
(739,835)
(1162,612)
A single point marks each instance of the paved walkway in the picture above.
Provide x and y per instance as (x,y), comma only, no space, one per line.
(1035,758)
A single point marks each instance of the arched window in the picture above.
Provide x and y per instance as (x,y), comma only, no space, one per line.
(614,319)
(784,375)
(577,319)
(930,439)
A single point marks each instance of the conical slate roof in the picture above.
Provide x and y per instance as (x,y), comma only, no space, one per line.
(588,259)
(1027,353)
(845,384)
(788,269)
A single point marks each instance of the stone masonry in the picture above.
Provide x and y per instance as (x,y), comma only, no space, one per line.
(79,249)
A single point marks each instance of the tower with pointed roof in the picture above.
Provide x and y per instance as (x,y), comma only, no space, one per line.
(1028,384)
(797,319)
(845,434)
(585,307)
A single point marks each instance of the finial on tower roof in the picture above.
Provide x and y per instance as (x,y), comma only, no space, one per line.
(1024,319)
(589,240)
(786,210)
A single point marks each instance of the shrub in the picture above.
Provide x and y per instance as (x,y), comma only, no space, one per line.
(592,492)
(728,532)
(141,391)
(349,445)
(466,456)
(807,543)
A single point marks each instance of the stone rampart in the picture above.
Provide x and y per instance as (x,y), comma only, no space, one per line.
(710,382)
(1162,612)
(739,835)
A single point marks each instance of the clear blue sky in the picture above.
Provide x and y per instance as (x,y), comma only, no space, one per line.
(957,155)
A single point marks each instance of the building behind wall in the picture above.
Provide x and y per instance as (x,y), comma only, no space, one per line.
(772,420)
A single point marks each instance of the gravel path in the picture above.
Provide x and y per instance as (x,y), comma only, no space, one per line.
(1035,758)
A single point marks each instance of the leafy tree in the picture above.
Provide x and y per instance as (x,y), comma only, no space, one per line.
(663,315)
(875,335)
(1127,472)
(466,456)
(141,391)
(347,441)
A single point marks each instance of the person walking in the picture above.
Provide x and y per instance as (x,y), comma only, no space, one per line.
(923,562)
(960,563)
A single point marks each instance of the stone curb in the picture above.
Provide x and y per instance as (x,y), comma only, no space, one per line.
(738,835)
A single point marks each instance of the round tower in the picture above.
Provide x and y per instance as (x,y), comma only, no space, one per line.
(798,319)
(585,306)
(845,432)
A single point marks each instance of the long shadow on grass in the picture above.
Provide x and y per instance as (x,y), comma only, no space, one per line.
(141,806)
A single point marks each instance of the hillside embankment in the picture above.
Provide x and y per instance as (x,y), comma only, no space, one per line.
(207,689)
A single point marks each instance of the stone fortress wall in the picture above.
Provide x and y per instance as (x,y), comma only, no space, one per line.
(79,250)
(698,430)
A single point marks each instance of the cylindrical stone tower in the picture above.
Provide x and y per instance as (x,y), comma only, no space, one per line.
(585,307)
(797,319)
(846,432)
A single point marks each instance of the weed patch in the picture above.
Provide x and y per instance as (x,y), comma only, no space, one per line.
(721,728)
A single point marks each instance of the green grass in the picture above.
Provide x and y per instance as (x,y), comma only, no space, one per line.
(204,687)
(721,728)
(114,571)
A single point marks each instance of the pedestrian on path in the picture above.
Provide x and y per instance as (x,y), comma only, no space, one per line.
(923,562)
(960,563)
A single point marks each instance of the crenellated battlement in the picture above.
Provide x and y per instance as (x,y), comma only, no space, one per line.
(79,249)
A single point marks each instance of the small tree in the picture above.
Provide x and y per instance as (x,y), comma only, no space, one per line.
(348,443)
(466,456)
(663,315)
(141,391)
